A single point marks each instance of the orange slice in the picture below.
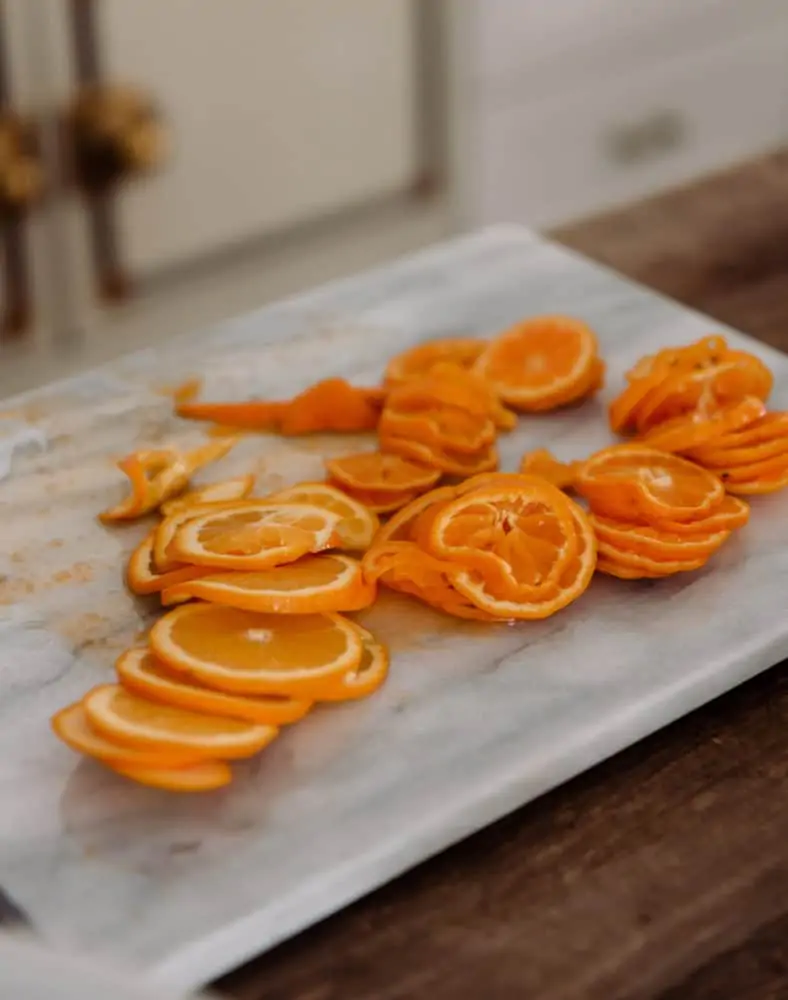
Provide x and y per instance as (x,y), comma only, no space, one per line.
(357,525)
(367,677)
(731,514)
(572,581)
(311,584)
(141,672)
(418,360)
(656,543)
(540,360)
(444,460)
(756,487)
(125,717)
(380,473)
(398,527)
(767,428)
(253,653)
(378,501)
(254,536)
(544,464)
(644,565)
(700,426)
(718,456)
(768,468)
(223,492)
(206,776)
(441,428)
(143,577)
(72,727)
(519,537)
(610,568)
(633,482)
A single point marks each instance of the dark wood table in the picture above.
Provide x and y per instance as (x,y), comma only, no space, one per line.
(663,872)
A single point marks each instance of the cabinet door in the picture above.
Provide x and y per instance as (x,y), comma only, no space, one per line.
(280,112)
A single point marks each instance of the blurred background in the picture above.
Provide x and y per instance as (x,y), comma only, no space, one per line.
(165,164)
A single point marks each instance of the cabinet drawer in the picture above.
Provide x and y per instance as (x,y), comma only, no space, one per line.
(536,50)
(619,142)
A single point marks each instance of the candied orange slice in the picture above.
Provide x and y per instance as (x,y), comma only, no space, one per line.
(419,360)
(544,358)
(572,581)
(254,536)
(140,671)
(72,727)
(311,584)
(633,482)
(544,464)
(767,468)
(656,543)
(643,565)
(254,653)
(367,677)
(729,515)
(125,717)
(164,561)
(610,568)
(700,426)
(443,460)
(762,486)
(519,536)
(380,473)
(441,428)
(763,438)
(206,776)
(377,501)
(398,527)
(222,492)
(357,525)
(143,577)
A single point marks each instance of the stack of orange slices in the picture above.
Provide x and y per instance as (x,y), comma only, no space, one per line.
(655,514)
(498,547)
(382,483)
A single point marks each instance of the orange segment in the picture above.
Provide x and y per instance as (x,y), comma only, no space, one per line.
(125,717)
(419,360)
(633,482)
(357,525)
(143,577)
(311,584)
(140,671)
(72,727)
(539,361)
(571,582)
(367,677)
(254,653)
(206,776)
(380,473)
(254,536)
(223,492)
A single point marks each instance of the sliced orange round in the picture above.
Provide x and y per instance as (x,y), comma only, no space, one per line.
(655,542)
(357,525)
(143,577)
(539,359)
(140,671)
(699,427)
(731,514)
(636,562)
(380,473)
(311,584)
(573,580)
(767,468)
(766,429)
(633,482)
(418,360)
(544,464)
(398,527)
(520,537)
(206,776)
(253,653)
(164,561)
(255,536)
(441,428)
(760,487)
(222,492)
(717,456)
(443,460)
(611,568)
(125,717)
(378,501)
(72,727)
(367,677)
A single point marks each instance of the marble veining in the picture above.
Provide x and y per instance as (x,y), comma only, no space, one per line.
(475,720)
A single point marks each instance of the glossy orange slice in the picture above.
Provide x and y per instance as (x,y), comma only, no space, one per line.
(124,717)
(656,543)
(378,501)
(541,360)
(206,776)
(545,465)
(730,514)
(357,525)
(376,472)
(250,652)
(311,584)
(441,428)
(419,360)
(143,577)
(221,492)
(367,677)
(443,460)
(140,671)
(699,427)
(638,563)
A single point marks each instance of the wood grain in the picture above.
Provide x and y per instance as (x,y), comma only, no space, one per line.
(662,873)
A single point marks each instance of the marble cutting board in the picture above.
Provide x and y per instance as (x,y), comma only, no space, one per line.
(475,720)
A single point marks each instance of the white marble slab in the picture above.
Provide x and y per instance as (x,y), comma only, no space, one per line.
(476,719)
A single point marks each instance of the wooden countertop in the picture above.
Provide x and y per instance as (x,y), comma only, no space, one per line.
(662,873)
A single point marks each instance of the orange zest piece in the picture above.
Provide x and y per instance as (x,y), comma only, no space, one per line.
(139,671)
(205,776)
(125,717)
(378,473)
(542,363)
(254,536)
(250,652)
(312,584)
(544,464)
(358,523)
